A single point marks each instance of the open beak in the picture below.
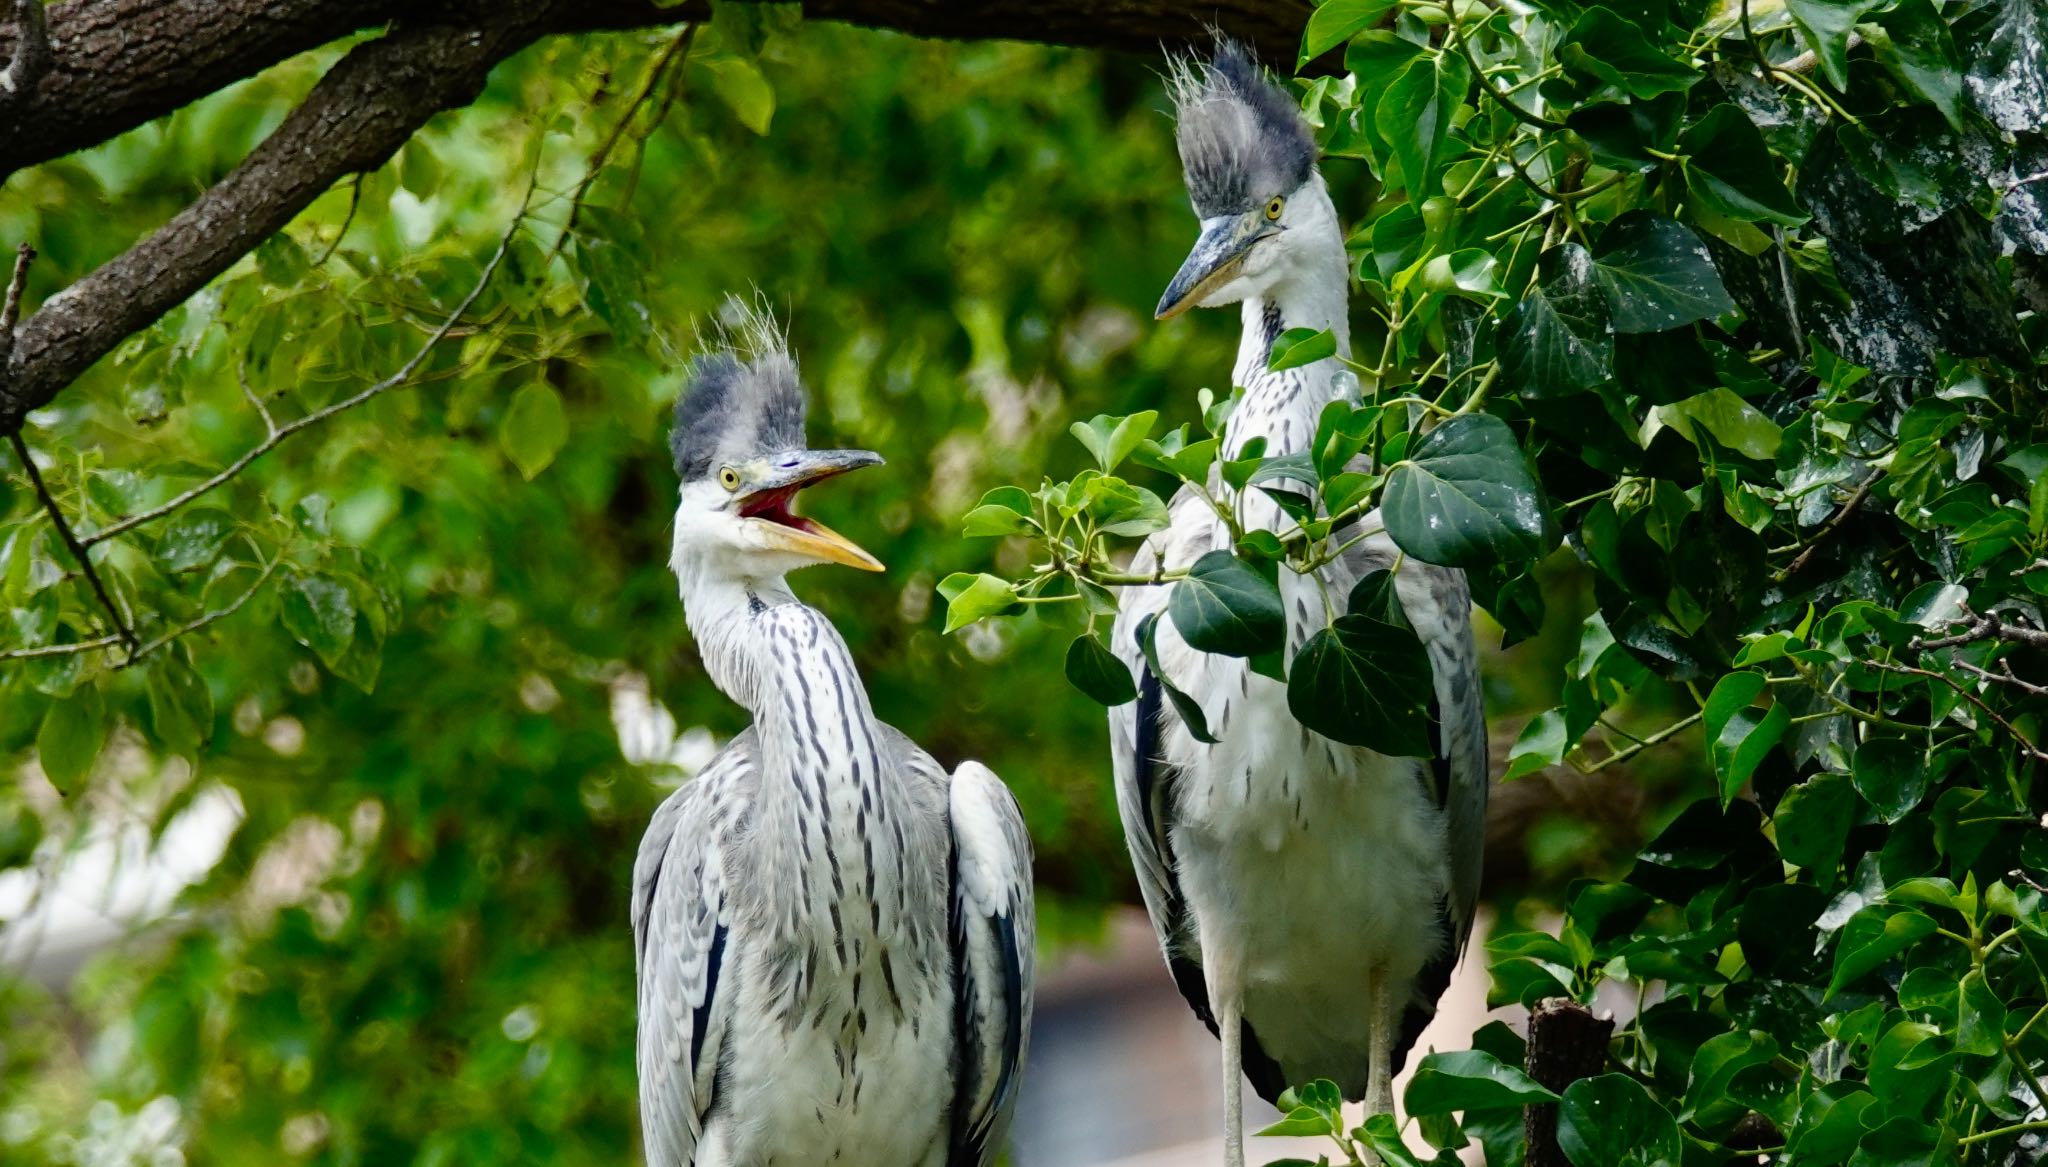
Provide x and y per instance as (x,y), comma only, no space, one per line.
(1217,255)
(775,487)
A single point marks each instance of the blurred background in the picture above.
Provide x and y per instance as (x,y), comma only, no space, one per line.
(378,915)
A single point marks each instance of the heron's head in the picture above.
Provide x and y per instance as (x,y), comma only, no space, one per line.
(1250,165)
(740,452)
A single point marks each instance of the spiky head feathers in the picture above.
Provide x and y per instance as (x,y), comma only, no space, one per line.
(741,397)
(1242,139)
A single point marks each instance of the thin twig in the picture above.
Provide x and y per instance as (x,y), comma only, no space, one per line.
(1833,524)
(2026,744)
(184,630)
(280,433)
(1985,627)
(1661,735)
(10,314)
(355,198)
(678,50)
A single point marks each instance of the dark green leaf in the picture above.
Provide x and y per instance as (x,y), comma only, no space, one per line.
(1728,168)
(1891,774)
(1813,821)
(1465,497)
(1555,342)
(1611,1121)
(2008,75)
(1738,737)
(1189,709)
(1225,606)
(1469,1080)
(1336,21)
(320,612)
(1657,274)
(180,706)
(1872,937)
(1917,48)
(1414,116)
(1365,683)
(1096,671)
(1613,50)
(1825,25)
(72,732)
(1301,346)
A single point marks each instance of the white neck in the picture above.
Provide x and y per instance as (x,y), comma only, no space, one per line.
(1310,291)
(719,605)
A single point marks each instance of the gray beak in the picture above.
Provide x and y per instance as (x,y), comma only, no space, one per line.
(800,468)
(1217,253)
(774,480)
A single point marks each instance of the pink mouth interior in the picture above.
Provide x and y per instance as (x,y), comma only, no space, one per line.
(773,506)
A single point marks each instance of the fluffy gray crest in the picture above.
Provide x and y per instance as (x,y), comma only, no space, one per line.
(1242,139)
(740,398)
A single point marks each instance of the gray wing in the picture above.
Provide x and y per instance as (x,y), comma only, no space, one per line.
(994,927)
(681,920)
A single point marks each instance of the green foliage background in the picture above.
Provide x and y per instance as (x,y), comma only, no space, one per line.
(409,616)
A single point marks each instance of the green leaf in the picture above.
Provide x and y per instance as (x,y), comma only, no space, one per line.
(975,597)
(1541,744)
(1825,25)
(1006,510)
(1915,45)
(1611,1121)
(1096,671)
(72,732)
(1555,342)
(1715,1067)
(1189,709)
(1175,455)
(1415,113)
(1469,1080)
(534,428)
(1870,938)
(739,83)
(1224,606)
(1336,21)
(1469,273)
(180,705)
(1365,683)
(1111,439)
(1657,274)
(1382,1136)
(1301,1122)
(1122,509)
(319,612)
(1891,774)
(2008,74)
(1465,498)
(1728,168)
(1301,346)
(193,538)
(1904,1142)
(1738,737)
(1612,49)
(1813,820)
(1731,421)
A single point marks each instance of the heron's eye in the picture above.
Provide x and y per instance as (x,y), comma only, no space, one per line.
(729,478)
(1274,208)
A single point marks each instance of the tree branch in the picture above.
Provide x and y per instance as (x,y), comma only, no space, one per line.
(31,59)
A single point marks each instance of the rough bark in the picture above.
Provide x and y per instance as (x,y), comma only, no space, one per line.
(110,65)
(1566,1043)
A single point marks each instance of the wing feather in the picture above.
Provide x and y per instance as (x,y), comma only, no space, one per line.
(681,927)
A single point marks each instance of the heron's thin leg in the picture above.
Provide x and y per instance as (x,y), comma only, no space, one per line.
(1230,1027)
(1379,1075)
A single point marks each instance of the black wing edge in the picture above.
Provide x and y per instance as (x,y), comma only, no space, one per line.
(968,1144)
(1154,778)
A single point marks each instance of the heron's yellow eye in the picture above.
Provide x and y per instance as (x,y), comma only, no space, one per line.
(1274,208)
(729,478)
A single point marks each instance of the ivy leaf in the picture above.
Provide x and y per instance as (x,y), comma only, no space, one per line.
(1190,710)
(1465,497)
(1469,273)
(534,428)
(1728,168)
(1825,25)
(1657,274)
(1469,1080)
(1414,116)
(975,597)
(1891,774)
(1096,671)
(193,538)
(1612,49)
(319,612)
(1336,21)
(1917,48)
(1111,439)
(1872,936)
(1175,455)
(72,732)
(1611,1121)
(1224,606)
(1555,341)
(1366,683)
(1733,422)
(1738,737)
(1300,346)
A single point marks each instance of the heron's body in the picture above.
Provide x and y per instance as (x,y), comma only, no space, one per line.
(1311,896)
(834,935)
